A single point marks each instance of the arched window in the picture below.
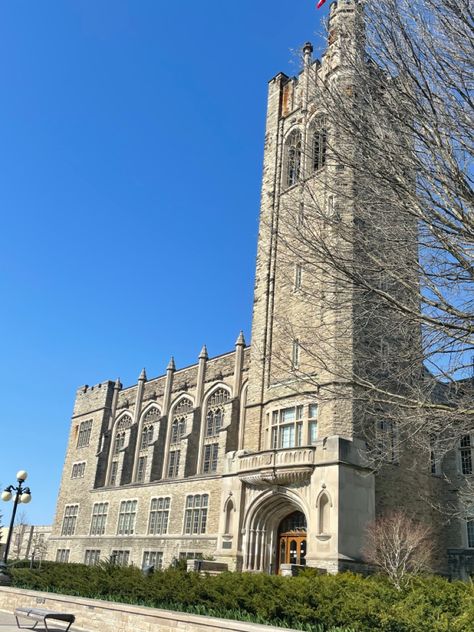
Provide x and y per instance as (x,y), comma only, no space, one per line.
(293,158)
(123,425)
(324,508)
(180,420)
(319,138)
(151,417)
(215,412)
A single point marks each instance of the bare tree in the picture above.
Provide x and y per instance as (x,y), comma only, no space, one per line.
(38,548)
(399,547)
(20,534)
(386,239)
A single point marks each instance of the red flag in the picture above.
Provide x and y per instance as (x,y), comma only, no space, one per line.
(320,4)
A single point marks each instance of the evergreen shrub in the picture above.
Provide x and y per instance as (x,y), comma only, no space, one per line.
(309,602)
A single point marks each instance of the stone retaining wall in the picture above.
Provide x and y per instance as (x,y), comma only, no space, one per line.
(103,616)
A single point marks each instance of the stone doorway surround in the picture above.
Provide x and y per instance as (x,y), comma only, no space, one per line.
(264,516)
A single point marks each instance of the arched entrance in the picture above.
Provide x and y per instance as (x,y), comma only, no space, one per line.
(292,540)
(272,515)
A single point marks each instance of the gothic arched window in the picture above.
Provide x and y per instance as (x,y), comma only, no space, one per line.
(319,140)
(151,417)
(123,425)
(215,412)
(293,158)
(180,419)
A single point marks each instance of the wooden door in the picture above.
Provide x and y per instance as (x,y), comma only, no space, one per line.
(292,549)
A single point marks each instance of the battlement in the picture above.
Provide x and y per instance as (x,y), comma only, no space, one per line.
(343,6)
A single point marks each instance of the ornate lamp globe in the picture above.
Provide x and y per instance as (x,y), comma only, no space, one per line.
(25,498)
(6,495)
(22,475)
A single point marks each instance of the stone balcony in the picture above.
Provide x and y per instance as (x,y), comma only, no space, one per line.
(275,467)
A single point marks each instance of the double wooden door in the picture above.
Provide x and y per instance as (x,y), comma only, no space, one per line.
(292,549)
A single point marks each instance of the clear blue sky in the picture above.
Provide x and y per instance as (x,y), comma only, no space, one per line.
(131,143)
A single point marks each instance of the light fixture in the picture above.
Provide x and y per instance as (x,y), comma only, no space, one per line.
(22,495)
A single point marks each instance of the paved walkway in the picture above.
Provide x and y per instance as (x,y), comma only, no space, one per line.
(8,624)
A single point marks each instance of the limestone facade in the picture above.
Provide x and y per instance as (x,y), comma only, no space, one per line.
(236,458)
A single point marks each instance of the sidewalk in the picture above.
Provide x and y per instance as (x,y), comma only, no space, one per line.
(8,624)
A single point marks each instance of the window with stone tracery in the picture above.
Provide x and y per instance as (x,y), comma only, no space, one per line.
(293,158)
(123,425)
(119,442)
(84,435)
(215,412)
(180,419)
(147,437)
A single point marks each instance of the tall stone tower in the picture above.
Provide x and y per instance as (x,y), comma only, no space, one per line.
(302,334)
(295,304)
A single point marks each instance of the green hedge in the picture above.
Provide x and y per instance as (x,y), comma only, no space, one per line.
(312,602)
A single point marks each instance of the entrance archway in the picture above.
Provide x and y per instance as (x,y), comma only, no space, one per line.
(263,524)
(292,540)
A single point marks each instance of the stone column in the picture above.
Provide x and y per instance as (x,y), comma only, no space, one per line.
(170,369)
(117,389)
(203,357)
(239,360)
(139,421)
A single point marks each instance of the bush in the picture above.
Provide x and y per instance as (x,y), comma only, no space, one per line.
(309,602)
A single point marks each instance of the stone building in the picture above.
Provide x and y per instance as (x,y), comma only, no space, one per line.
(236,458)
(29,542)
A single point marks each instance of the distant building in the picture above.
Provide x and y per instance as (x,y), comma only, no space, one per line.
(233,458)
(28,542)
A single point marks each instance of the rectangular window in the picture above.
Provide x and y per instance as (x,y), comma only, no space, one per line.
(301,214)
(113,473)
(287,436)
(295,358)
(313,423)
(69,520)
(159,516)
(153,558)
(78,470)
(84,434)
(386,433)
(99,518)
(211,452)
(384,355)
(466,455)
(470,534)
(287,428)
(91,557)
(195,518)
(119,557)
(173,465)
(127,514)
(190,555)
(287,415)
(141,469)
(298,276)
(331,206)
(62,555)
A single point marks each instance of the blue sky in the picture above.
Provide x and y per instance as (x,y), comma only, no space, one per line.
(131,144)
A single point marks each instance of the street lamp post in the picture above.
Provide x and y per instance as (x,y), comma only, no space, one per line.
(22,495)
